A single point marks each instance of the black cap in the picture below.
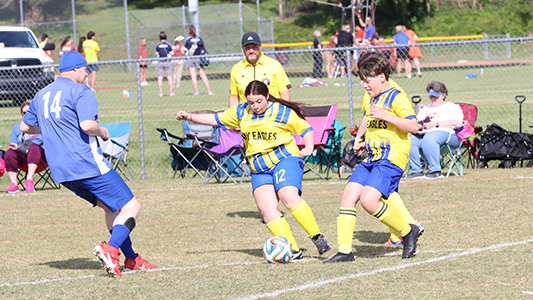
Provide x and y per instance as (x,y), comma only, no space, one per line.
(250,38)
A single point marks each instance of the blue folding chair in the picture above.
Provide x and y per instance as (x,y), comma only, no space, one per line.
(115,149)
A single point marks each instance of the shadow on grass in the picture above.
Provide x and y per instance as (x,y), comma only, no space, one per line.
(246,214)
(371,237)
(74,264)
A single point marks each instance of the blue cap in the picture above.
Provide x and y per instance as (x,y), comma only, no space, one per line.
(71,60)
(430,93)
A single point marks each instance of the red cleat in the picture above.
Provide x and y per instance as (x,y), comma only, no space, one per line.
(137,264)
(108,255)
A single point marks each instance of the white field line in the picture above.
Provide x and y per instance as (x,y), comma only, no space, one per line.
(528,292)
(316,284)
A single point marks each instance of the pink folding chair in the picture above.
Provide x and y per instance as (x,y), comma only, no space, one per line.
(321,119)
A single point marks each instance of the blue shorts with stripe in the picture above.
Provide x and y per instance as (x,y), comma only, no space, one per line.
(382,175)
(109,188)
(288,172)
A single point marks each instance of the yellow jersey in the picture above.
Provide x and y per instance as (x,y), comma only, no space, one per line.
(267,70)
(91,48)
(267,137)
(384,140)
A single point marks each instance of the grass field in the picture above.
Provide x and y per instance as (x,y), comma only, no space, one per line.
(207,242)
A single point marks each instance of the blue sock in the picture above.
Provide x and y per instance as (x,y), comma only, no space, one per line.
(118,235)
(126,247)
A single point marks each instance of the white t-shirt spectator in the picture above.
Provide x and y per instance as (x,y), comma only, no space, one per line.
(445,112)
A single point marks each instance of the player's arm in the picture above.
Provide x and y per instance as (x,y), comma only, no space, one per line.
(407,125)
(233,100)
(91,127)
(309,140)
(285,95)
(29,129)
(206,119)
(359,144)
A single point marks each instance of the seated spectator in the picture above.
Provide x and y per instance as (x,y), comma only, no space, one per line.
(436,123)
(16,155)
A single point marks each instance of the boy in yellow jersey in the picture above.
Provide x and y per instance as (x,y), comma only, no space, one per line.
(267,124)
(394,199)
(388,118)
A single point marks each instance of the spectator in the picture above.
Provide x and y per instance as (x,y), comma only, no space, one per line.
(345,39)
(80,45)
(143,54)
(402,53)
(66,46)
(179,50)
(164,50)
(370,30)
(194,45)
(44,40)
(330,55)
(435,122)
(17,156)
(257,66)
(91,48)
(360,34)
(414,52)
(317,56)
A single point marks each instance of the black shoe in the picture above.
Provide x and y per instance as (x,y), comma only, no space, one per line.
(409,242)
(415,175)
(321,243)
(340,257)
(433,175)
(297,255)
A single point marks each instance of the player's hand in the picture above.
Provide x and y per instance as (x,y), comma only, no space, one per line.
(358,148)
(306,152)
(105,134)
(182,115)
(377,112)
(13,146)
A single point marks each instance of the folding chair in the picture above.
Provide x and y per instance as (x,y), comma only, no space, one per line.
(186,157)
(43,174)
(452,158)
(230,148)
(472,144)
(321,120)
(115,149)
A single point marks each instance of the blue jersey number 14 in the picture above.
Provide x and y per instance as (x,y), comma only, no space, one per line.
(54,108)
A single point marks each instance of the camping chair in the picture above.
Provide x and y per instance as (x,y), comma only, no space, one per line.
(43,176)
(185,157)
(230,148)
(451,158)
(472,144)
(321,120)
(115,149)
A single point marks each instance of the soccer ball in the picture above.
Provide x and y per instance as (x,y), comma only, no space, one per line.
(277,250)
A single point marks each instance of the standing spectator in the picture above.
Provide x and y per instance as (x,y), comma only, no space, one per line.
(16,156)
(80,45)
(195,46)
(317,56)
(44,40)
(370,30)
(69,128)
(143,54)
(179,50)
(330,55)
(414,52)
(91,48)
(257,66)
(345,39)
(164,50)
(402,53)
(66,46)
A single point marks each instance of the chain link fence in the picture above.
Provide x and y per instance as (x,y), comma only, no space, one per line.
(486,73)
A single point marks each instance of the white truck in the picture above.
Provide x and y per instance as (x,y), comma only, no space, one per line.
(24,66)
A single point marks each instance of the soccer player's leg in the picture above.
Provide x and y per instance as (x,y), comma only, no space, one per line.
(396,202)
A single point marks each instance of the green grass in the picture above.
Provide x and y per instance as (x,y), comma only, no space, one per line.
(207,243)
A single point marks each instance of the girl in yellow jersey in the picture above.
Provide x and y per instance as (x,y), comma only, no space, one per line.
(267,124)
(388,118)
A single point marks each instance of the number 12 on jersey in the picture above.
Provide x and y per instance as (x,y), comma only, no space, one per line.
(54,108)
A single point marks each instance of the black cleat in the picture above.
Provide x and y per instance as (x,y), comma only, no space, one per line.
(340,257)
(297,255)
(321,243)
(409,242)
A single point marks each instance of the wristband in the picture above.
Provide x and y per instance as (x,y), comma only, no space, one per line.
(189,117)
(437,125)
(358,139)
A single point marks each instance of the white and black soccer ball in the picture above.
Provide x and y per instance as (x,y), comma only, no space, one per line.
(277,250)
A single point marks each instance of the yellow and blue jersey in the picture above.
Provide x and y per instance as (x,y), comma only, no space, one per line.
(383,139)
(267,137)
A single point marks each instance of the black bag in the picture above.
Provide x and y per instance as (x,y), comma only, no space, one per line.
(204,61)
(348,156)
(25,146)
(497,143)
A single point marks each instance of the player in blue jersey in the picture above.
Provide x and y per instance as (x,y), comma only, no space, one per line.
(388,118)
(65,113)
(267,124)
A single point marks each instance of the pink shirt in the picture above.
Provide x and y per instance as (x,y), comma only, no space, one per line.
(178,49)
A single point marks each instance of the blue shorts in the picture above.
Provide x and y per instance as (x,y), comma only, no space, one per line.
(288,172)
(382,175)
(92,67)
(109,188)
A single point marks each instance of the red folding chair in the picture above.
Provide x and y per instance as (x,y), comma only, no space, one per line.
(472,144)
(43,176)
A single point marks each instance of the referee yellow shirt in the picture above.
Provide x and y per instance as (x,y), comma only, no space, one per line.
(91,48)
(267,70)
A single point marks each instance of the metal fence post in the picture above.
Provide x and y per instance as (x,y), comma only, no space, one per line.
(350,91)
(141,127)
(74,22)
